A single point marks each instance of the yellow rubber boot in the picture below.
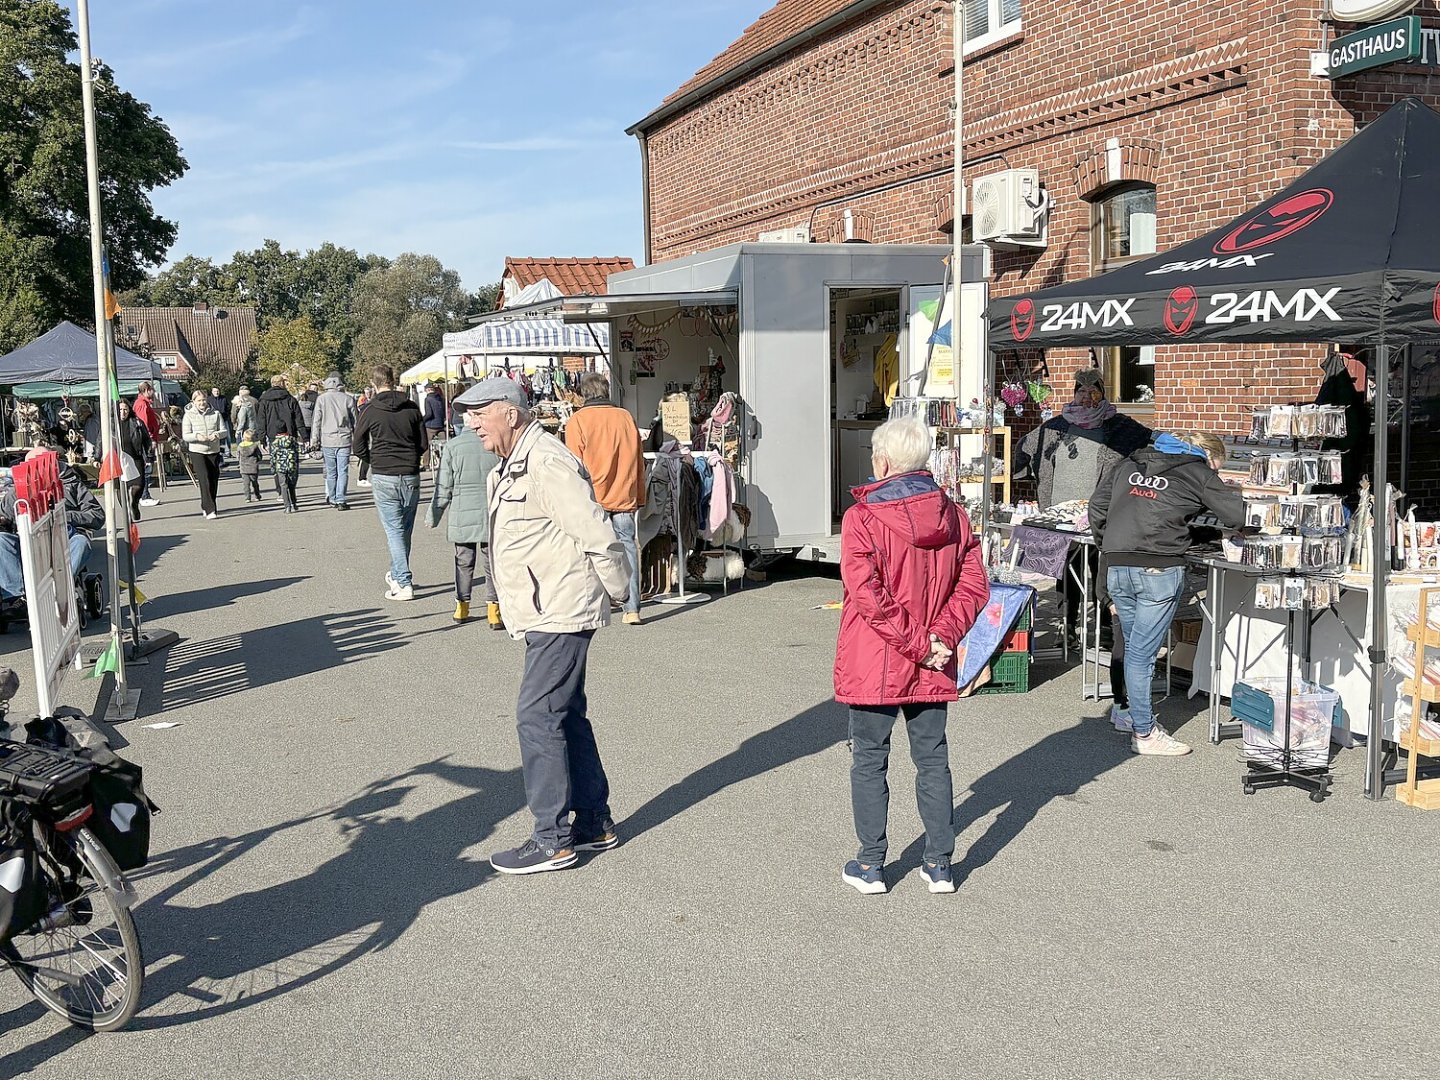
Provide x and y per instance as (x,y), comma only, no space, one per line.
(462,610)
(492,615)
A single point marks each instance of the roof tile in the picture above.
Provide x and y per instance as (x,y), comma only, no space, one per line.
(222,332)
(573,277)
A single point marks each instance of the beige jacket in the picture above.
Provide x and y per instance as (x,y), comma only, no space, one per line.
(202,432)
(557,561)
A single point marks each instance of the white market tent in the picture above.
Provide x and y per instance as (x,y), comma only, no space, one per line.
(433,368)
(518,332)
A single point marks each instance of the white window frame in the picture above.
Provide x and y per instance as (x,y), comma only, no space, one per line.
(167,363)
(998,30)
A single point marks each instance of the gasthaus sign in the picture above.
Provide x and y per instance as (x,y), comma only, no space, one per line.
(1384,43)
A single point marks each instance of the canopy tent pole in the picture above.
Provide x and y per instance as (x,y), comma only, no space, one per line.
(1379,565)
(123,704)
(1405,418)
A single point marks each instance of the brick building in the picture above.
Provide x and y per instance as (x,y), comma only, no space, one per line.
(184,339)
(1149,125)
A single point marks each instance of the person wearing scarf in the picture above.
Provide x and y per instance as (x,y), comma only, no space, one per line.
(1067,455)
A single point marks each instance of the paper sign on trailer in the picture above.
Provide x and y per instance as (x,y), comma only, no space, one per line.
(49,588)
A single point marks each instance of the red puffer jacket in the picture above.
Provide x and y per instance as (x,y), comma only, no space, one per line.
(911,568)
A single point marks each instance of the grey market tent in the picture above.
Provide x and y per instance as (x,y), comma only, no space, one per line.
(66,354)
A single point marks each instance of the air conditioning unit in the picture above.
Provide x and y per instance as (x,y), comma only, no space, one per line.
(800,234)
(1010,207)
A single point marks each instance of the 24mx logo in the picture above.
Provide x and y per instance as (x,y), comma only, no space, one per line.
(1083,315)
(1263,305)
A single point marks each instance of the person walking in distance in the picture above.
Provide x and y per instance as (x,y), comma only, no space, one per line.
(147,414)
(308,397)
(202,431)
(285,463)
(277,411)
(366,396)
(390,436)
(248,452)
(460,486)
(242,413)
(332,430)
(557,566)
(434,419)
(134,440)
(914,585)
(607,442)
(217,406)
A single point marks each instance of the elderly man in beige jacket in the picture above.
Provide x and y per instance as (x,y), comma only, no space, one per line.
(557,566)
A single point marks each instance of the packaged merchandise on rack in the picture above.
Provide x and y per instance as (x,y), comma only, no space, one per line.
(1287,469)
(936,412)
(1260,705)
(1299,422)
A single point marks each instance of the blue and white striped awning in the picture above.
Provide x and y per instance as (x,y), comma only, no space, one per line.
(532,336)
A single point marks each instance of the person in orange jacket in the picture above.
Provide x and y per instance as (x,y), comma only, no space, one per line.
(607,442)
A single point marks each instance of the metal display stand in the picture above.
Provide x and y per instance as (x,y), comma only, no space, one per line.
(1282,771)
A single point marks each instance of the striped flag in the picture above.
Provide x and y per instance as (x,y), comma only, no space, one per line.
(112,306)
(110,468)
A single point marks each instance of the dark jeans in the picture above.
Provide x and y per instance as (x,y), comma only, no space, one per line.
(870,727)
(558,754)
(465,559)
(1117,668)
(207,476)
(252,481)
(285,487)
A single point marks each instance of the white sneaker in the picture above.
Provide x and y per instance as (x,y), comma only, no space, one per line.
(149,502)
(363,483)
(211,516)
(1159,743)
(1121,719)
(390,581)
(400,592)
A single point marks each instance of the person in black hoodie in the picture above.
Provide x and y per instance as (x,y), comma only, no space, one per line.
(390,435)
(277,411)
(1140,515)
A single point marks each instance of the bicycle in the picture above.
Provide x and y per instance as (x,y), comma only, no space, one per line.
(81,957)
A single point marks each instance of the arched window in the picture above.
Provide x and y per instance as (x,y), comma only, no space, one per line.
(1122,230)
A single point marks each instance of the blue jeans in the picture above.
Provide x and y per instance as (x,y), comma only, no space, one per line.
(337,473)
(12,571)
(396,500)
(624,526)
(1145,598)
(870,727)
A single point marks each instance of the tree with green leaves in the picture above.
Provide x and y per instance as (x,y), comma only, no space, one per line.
(44,212)
(296,349)
(404,309)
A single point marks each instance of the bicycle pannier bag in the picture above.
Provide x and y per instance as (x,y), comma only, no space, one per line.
(121,821)
(22,894)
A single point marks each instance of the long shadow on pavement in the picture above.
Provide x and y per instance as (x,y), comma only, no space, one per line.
(200,671)
(207,960)
(172,604)
(817,728)
(1056,767)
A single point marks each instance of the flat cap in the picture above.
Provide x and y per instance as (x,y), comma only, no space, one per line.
(495,388)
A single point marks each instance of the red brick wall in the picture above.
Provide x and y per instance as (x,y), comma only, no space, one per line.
(1219,98)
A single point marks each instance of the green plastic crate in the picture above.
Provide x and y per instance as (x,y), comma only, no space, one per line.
(1009,674)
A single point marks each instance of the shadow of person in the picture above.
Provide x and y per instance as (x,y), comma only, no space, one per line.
(1058,766)
(817,728)
(212,958)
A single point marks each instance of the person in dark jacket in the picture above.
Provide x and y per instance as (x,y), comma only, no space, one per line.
(277,411)
(914,585)
(134,440)
(307,399)
(1068,455)
(390,436)
(434,417)
(1140,515)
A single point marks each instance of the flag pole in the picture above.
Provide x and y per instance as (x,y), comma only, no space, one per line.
(124,701)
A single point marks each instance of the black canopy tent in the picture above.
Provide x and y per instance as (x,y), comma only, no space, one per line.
(1349,252)
(66,354)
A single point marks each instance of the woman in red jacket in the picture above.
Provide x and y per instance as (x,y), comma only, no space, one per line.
(914,585)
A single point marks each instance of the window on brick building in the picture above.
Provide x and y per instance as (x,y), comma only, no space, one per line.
(989,20)
(1122,230)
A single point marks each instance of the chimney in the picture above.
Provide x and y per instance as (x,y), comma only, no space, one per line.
(201,307)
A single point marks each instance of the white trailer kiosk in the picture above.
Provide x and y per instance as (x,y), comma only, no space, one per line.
(800,332)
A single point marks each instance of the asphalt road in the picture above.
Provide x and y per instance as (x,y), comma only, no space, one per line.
(319,904)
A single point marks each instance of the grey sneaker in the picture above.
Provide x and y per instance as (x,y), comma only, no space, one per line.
(1121,719)
(1159,743)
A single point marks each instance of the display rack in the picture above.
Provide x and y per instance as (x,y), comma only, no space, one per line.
(1001,436)
(1423,794)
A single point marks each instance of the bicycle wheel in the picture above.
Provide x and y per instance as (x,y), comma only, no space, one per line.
(83,961)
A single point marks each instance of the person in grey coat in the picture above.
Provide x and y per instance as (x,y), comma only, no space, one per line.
(332,428)
(461,486)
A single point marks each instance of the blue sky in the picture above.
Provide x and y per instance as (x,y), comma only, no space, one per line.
(469,131)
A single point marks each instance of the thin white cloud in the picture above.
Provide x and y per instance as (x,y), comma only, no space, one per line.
(527,144)
(203,52)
